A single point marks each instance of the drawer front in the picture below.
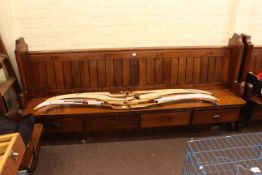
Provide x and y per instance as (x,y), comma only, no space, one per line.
(13,161)
(104,123)
(62,125)
(164,119)
(257,114)
(215,116)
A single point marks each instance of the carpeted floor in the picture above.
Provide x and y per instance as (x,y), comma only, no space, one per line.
(136,157)
(149,157)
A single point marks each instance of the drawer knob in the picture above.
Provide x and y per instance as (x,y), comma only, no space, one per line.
(14,155)
(216,116)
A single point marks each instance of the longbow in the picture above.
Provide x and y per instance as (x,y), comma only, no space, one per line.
(127,96)
(175,99)
(138,99)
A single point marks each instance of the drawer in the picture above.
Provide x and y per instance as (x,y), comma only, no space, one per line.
(62,124)
(215,116)
(116,122)
(164,119)
(13,161)
(257,114)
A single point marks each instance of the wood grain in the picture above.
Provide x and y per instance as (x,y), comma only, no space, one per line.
(134,72)
(126,72)
(142,72)
(93,73)
(150,71)
(182,71)
(118,72)
(59,72)
(85,74)
(211,68)
(159,71)
(189,70)
(166,70)
(197,70)
(174,70)
(101,72)
(76,74)
(67,69)
(42,76)
(204,70)
(109,73)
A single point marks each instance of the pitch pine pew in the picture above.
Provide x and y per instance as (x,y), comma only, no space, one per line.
(48,73)
(251,65)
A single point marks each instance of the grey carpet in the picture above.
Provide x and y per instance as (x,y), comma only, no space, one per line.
(149,157)
(138,157)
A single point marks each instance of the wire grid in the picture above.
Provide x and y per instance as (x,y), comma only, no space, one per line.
(230,155)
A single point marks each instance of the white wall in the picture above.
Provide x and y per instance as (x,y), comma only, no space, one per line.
(255,25)
(76,24)
(7,31)
(57,24)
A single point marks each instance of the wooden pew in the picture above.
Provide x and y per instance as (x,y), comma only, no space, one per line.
(252,64)
(48,73)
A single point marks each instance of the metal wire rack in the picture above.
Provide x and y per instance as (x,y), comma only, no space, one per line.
(229,155)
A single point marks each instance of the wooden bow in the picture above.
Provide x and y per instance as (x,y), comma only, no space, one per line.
(130,100)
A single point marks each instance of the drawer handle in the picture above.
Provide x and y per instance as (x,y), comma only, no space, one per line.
(14,155)
(216,116)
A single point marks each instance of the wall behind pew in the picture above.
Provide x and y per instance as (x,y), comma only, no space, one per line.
(57,24)
(76,24)
(7,31)
(255,23)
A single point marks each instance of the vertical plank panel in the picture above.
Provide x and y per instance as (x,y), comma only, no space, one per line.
(204,70)
(182,70)
(142,72)
(101,72)
(35,77)
(134,72)
(150,74)
(218,69)
(118,72)
(197,70)
(225,65)
(76,75)
(253,63)
(174,70)
(126,72)
(68,79)
(93,73)
(158,71)
(109,73)
(59,75)
(42,76)
(51,81)
(166,70)
(260,61)
(85,74)
(211,69)
(189,70)
(257,65)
